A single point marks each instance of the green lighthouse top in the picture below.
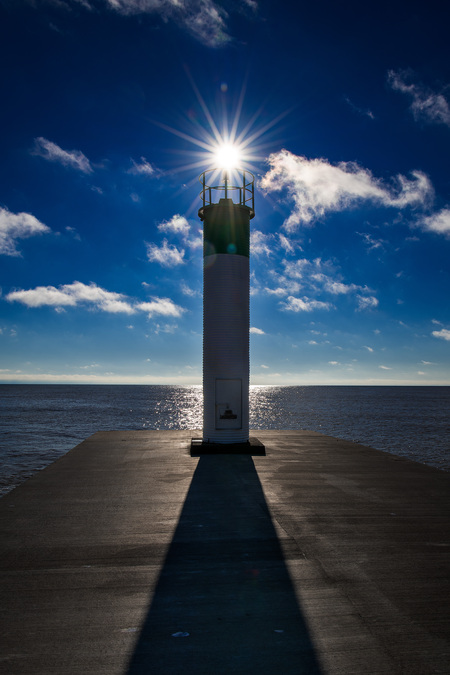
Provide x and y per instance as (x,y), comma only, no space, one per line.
(236,187)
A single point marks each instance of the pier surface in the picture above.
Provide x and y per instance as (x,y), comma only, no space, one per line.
(128,556)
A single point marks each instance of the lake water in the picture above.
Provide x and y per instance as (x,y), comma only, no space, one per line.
(39,423)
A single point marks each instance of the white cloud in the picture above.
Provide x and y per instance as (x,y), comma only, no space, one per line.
(144,168)
(71,295)
(297,268)
(444,334)
(166,255)
(280,291)
(384,367)
(303,305)
(53,153)
(313,280)
(426,105)
(317,187)
(160,307)
(438,222)
(42,296)
(369,349)
(17,226)
(334,363)
(176,225)
(335,287)
(77,293)
(202,18)
(256,331)
(367,302)
(195,242)
(259,243)
(338,288)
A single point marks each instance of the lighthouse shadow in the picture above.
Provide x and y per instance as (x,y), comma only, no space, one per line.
(224,602)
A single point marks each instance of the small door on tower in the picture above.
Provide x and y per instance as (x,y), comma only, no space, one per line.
(228,404)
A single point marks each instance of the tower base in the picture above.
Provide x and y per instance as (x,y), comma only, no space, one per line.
(251,447)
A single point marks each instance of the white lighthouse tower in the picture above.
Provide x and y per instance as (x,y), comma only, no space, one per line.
(226,211)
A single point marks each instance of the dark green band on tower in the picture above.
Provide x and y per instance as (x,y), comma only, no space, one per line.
(226,228)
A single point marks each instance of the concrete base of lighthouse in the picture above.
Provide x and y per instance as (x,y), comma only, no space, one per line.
(251,447)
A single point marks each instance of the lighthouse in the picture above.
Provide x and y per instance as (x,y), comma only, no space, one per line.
(228,205)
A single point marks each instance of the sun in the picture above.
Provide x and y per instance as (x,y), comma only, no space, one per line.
(227,144)
(227,156)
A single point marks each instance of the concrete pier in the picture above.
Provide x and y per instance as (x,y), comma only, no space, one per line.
(128,556)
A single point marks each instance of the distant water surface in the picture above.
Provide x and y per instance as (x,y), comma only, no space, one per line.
(39,423)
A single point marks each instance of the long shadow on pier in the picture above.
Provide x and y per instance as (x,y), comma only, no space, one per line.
(224,602)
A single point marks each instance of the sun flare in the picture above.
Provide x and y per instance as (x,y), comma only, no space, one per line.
(227,156)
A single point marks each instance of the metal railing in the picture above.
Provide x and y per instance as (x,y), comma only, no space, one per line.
(242,194)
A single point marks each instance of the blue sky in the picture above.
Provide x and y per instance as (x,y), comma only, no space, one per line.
(110,111)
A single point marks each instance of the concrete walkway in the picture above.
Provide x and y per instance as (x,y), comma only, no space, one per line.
(128,556)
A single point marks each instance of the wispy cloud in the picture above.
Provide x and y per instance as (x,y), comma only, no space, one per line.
(73,159)
(426,105)
(15,226)
(318,277)
(318,187)
(190,292)
(73,232)
(335,287)
(142,168)
(371,243)
(256,331)
(283,290)
(365,112)
(166,255)
(443,334)
(293,304)
(71,295)
(204,19)
(286,244)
